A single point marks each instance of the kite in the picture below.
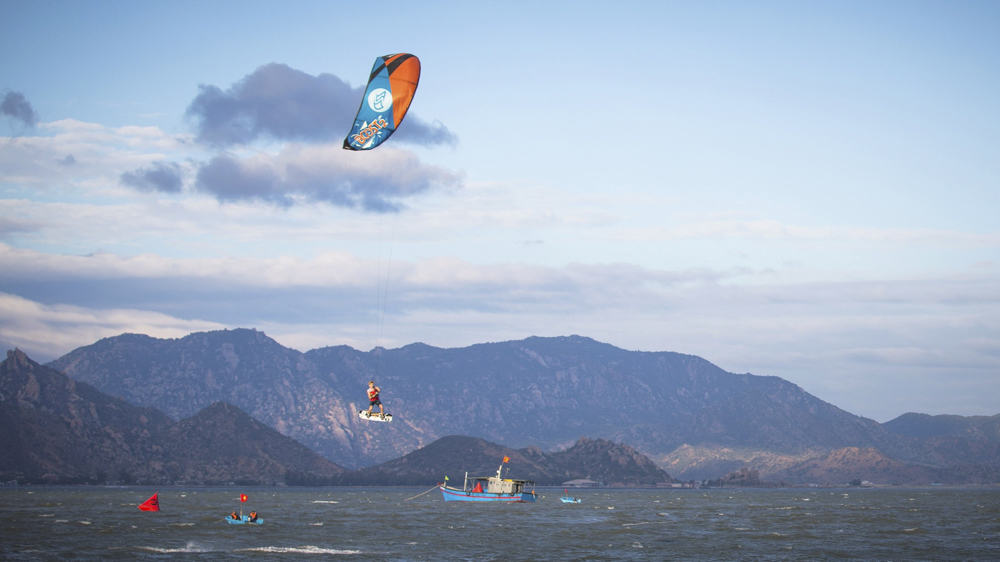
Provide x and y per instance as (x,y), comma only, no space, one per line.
(390,90)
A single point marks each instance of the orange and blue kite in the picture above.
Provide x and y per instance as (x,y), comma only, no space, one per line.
(390,90)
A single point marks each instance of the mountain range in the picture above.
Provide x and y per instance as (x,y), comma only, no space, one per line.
(689,416)
(58,430)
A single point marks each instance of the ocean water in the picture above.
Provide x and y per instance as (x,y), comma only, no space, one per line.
(378,523)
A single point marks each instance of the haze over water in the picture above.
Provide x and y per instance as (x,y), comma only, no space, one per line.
(367,523)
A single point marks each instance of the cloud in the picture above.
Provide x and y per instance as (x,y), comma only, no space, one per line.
(45,331)
(160,176)
(878,348)
(18,108)
(375,182)
(283,103)
(84,157)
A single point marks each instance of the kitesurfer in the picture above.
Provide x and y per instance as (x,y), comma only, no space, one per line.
(373,392)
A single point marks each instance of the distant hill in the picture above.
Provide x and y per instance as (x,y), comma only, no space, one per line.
(968,447)
(924,426)
(686,414)
(224,442)
(57,430)
(595,459)
(856,464)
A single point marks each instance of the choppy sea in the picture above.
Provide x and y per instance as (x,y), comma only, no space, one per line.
(379,523)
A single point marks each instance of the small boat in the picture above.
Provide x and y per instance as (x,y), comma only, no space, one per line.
(569,499)
(243,520)
(252,519)
(494,488)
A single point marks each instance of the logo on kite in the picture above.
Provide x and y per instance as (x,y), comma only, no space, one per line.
(380,100)
(368,132)
(387,97)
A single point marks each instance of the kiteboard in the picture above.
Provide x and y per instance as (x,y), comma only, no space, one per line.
(374,416)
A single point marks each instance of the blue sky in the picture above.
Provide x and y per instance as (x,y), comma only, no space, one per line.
(800,189)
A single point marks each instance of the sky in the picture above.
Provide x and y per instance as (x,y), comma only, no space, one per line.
(808,190)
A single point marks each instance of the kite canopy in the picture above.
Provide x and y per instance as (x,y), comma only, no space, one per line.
(390,90)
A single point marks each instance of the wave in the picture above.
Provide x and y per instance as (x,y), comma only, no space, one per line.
(189,547)
(308,549)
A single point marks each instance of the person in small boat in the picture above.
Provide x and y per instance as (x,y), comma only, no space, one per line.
(234,516)
(373,400)
(253,516)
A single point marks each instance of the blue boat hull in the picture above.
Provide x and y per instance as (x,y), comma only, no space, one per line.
(245,520)
(456,495)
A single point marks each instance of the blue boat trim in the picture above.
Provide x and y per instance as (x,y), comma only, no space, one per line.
(244,520)
(455,495)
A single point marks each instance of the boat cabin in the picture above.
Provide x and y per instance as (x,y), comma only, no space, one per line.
(496,485)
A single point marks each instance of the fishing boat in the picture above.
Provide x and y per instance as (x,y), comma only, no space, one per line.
(569,499)
(494,488)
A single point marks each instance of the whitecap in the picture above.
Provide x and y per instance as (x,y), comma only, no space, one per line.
(325,501)
(317,524)
(182,524)
(85,523)
(307,549)
(189,547)
(47,515)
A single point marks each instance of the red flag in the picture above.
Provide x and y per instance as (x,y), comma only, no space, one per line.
(243,497)
(152,504)
(506,459)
